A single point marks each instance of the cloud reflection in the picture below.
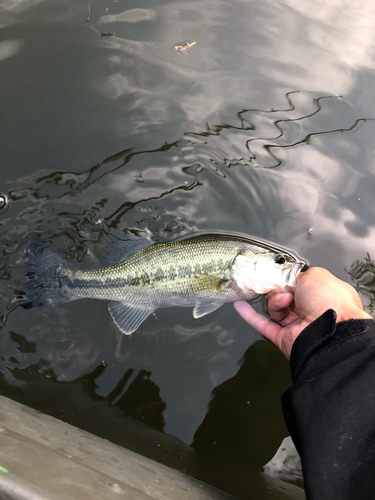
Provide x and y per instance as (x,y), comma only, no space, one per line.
(9,10)
(311,47)
(9,48)
(18,5)
(129,16)
(345,30)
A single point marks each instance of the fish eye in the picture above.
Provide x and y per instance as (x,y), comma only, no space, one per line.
(279,259)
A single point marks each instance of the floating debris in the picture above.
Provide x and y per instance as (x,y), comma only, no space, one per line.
(107,34)
(88,14)
(183,49)
(104,364)
(116,488)
(139,178)
(309,233)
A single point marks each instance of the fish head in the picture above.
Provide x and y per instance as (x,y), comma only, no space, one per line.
(266,271)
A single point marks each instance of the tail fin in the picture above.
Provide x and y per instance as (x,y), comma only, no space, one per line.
(46,275)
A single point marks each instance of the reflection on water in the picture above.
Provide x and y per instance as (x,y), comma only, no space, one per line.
(243,424)
(363,276)
(248,133)
(68,206)
(163,381)
(240,431)
(71,206)
(140,400)
(173,167)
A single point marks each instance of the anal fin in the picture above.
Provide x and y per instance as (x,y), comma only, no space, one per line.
(128,317)
(205,308)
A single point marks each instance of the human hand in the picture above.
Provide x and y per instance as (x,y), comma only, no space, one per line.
(316,291)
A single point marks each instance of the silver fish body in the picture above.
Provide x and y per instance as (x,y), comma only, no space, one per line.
(204,271)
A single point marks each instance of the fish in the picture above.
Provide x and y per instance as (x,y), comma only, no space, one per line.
(203,271)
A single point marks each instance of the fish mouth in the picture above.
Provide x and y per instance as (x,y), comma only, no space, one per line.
(293,273)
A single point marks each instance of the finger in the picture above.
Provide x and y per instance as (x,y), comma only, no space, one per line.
(279,306)
(267,328)
(282,309)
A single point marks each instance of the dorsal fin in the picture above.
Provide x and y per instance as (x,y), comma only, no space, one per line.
(125,244)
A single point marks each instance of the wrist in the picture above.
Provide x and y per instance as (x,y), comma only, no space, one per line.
(352,314)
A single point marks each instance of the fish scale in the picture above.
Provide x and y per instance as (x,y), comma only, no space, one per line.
(164,275)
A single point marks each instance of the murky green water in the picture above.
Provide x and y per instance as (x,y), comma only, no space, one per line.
(265,127)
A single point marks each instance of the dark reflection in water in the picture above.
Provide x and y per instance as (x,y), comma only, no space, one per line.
(243,425)
(363,276)
(240,432)
(141,400)
(127,417)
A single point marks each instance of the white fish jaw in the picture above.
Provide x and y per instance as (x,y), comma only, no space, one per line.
(293,273)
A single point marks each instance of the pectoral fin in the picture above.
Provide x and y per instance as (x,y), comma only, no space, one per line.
(127,317)
(205,308)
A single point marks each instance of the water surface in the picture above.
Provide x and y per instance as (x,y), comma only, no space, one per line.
(265,128)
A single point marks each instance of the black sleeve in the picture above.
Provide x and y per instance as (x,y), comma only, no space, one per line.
(330,410)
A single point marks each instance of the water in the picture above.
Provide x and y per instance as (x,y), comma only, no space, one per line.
(265,128)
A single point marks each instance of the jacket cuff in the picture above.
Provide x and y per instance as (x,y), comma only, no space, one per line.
(318,336)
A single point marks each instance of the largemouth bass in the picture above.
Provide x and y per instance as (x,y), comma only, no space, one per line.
(204,271)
